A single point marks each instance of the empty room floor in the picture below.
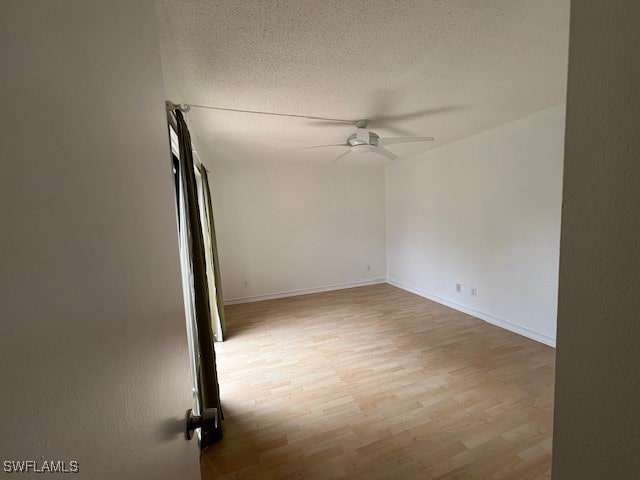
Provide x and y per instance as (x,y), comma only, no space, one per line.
(375,382)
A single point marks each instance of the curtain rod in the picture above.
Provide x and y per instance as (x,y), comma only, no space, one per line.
(185,107)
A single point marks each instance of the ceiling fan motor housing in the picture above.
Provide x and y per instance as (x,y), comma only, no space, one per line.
(363,138)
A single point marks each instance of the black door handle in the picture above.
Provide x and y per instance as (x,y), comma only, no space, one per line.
(207,422)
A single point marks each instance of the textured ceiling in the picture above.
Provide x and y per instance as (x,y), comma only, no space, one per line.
(481,63)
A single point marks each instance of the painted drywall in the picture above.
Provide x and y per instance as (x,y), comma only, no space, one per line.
(293,228)
(597,429)
(483,212)
(93,349)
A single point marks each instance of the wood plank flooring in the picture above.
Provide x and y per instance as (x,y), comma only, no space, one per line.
(378,383)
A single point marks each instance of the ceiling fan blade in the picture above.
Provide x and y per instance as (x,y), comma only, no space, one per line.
(397,131)
(322,146)
(384,152)
(341,156)
(381,119)
(392,141)
(329,123)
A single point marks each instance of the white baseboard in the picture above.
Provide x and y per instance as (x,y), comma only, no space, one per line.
(487,317)
(305,291)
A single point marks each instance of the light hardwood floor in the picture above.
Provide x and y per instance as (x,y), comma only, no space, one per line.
(375,382)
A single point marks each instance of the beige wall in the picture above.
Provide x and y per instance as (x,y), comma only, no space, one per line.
(483,212)
(597,422)
(285,227)
(93,350)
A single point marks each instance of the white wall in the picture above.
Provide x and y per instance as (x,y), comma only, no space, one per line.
(93,350)
(287,227)
(596,425)
(483,212)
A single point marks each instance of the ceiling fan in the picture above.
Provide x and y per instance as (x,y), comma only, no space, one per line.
(363,140)
(367,141)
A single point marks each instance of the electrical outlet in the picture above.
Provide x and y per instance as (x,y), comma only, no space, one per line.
(245,284)
(458,288)
(474,292)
